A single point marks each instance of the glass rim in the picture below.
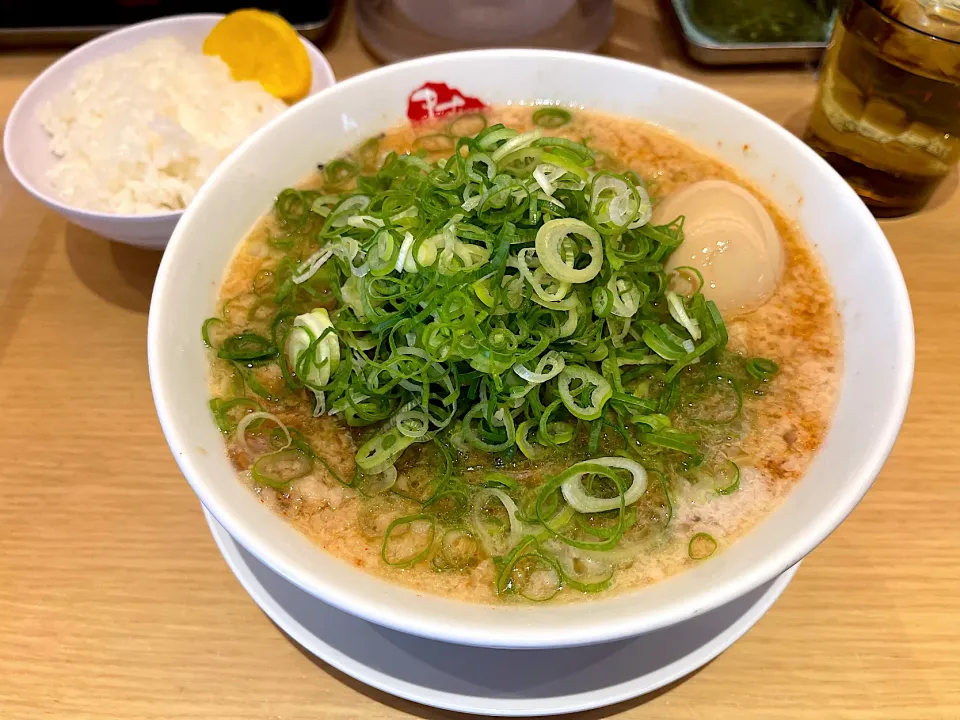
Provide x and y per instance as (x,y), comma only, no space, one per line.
(883,13)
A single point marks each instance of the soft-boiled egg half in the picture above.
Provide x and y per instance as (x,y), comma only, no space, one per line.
(730,238)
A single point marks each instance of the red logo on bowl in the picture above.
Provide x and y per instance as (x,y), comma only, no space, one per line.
(438,99)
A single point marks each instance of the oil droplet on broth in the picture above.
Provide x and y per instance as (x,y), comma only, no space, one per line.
(730,238)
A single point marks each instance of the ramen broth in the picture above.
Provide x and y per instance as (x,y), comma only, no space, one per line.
(681,518)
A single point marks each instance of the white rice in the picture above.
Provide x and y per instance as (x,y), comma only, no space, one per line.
(139,132)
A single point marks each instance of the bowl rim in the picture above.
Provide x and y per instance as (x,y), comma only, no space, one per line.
(56,67)
(532,636)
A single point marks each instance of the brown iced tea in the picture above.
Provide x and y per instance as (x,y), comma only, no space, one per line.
(887,116)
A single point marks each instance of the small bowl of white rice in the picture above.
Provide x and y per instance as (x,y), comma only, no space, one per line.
(119,134)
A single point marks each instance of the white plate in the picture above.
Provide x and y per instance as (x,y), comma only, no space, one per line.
(495,682)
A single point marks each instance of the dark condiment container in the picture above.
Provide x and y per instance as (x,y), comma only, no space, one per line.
(732,32)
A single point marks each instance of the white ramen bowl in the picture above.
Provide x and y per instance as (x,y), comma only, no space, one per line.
(878,351)
(26,145)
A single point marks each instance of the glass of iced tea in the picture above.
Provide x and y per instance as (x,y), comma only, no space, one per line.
(887,116)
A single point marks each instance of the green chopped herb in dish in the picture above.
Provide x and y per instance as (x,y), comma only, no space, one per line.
(497,331)
(763,21)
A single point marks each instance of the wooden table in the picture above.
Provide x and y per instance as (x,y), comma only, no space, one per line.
(114,602)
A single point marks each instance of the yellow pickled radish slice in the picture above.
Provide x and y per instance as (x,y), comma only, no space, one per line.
(261,46)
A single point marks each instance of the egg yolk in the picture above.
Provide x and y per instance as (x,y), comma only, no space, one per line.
(730,238)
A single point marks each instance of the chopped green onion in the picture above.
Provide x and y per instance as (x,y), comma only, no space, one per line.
(280,468)
(679,313)
(550,520)
(222,411)
(414,551)
(382,449)
(368,152)
(580,501)
(578,381)
(247,346)
(501,480)
(523,441)
(728,480)
(422,487)
(467,124)
(671,440)
(762,369)
(585,573)
(449,504)
(529,573)
(602,301)
(459,550)
(551,242)
(551,117)
(501,433)
(702,546)
(209,324)
(485,523)
(496,293)
(338,172)
(614,202)
(377,483)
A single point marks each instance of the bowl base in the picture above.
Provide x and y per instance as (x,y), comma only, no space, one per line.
(495,682)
